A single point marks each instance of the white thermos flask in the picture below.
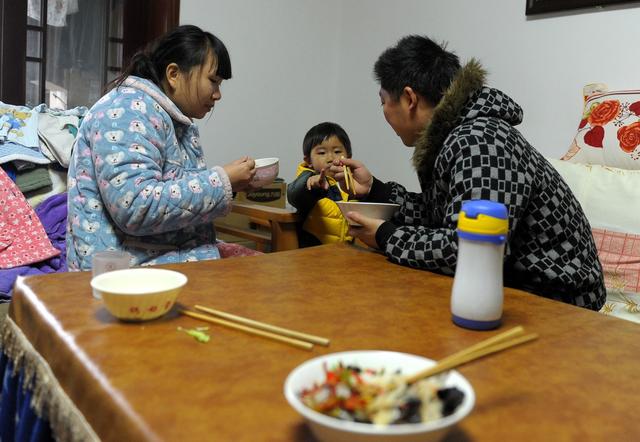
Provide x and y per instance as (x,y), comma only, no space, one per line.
(477,294)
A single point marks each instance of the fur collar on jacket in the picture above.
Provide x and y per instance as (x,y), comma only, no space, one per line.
(446,115)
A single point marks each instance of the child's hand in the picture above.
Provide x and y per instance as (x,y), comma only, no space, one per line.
(240,173)
(318,181)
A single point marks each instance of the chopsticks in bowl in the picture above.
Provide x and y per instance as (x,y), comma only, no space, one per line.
(502,341)
(287,336)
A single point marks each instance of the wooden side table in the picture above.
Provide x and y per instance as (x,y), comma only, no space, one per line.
(282,223)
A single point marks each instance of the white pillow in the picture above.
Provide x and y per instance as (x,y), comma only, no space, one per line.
(610,197)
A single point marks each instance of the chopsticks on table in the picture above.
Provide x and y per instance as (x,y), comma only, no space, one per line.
(502,341)
(287,336)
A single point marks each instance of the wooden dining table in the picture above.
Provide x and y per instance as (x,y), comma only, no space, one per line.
(152,381)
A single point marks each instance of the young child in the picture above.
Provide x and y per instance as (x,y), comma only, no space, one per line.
(314,191)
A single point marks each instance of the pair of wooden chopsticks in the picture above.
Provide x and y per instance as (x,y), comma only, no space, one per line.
(291,337)
(499,342)
(348,179)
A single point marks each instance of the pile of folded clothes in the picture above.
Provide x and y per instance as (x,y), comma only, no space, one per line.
(35,147)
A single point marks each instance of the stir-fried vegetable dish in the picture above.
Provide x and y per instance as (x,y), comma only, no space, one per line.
(373,396)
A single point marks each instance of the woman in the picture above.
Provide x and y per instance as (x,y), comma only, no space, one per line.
(138,180)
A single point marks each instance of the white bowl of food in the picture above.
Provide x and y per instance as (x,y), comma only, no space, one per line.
(373,210)
(139,294)
(266,172)
(338,412)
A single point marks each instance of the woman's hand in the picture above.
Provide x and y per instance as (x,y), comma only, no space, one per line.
(318,181)
(240,173)
(363,180)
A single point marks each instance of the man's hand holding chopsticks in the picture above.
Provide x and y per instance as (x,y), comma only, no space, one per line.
(361,181)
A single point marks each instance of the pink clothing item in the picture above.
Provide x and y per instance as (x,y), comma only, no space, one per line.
(23,240)
(619,254)
(231,250)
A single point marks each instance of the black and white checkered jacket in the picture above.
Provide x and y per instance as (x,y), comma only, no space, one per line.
(470,150)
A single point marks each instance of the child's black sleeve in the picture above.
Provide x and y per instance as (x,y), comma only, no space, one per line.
(302,198)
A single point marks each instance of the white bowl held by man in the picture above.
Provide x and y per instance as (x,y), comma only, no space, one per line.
(372,210)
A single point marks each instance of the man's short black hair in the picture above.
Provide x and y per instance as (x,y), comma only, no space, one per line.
(320,132)
(420,63)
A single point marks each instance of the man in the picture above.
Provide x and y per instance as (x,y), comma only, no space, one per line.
(467,148)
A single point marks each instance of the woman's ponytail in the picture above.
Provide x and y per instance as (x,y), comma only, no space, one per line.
(141,66)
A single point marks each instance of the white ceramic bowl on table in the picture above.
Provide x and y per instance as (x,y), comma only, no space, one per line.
(327,428)
(139,294)
(266,172)
(373,210)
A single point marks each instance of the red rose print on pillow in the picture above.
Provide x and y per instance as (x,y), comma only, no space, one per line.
(604,112)
(635,108)
(629,136)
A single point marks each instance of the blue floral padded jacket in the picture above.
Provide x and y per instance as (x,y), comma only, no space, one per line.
(138,182)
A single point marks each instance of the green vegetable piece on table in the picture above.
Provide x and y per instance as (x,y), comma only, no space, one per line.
(198,333)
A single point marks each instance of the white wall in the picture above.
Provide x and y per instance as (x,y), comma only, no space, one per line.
(299,62)
(284,58)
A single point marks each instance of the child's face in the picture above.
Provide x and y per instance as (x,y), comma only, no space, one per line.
(324,153)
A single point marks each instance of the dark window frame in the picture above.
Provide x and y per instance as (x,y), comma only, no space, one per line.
(42,59)
(13,51)
(545,6)
(160,17)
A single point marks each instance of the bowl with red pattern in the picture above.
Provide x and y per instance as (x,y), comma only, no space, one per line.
(139,294)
